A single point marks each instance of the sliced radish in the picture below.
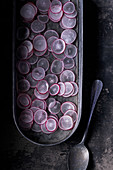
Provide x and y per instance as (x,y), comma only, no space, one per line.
(68,88)
(70,51)
(69,94)
(40,116)
(44,129)
(51,79)
(40,43)
(29,45)
(50,41)
(35,8)
(43,18)
(23,67)
(69,63)
(58,46)
(68,7)
(38,73)
(23,85)
(54,89)
(43,5)
(67,106)
(55,6)
(68,22)
(75,88)
(42,86)
(59,56)
(72,113)
(33,60)
(40,96)
(62,88)
(37,26)
(32,82)
(40,53)
(55,17)
(73,15)
(57,66)
(50,33)
(43,62)
(69,36)
(23,101)
(26,116)
(67,75)
(38,104)
(22,33)
(36,127)
(66,122)
(51,100)
(51,125)
(25,126)
(55,109)
(22,52)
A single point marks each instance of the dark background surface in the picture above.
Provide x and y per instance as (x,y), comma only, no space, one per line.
(19,154)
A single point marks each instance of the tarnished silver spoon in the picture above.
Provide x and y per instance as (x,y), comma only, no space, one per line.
(79,155)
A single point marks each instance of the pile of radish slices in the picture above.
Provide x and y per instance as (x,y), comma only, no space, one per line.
(46,66)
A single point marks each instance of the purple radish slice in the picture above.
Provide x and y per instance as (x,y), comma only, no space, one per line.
(67,75)
(42,86)
(23,67)
(69,94)
(54,89)
(50,33)
(68,88)
(52,104)
(29,45)
(34,109)
(69,63)
(38,104)
(33,60)
(58,46)
(37,26)
(73,15)
(22,52)
(36,127)
(44,130)
(22,33)
(75,88)
(73,114)
(38,73)
(62,88)
(26,116)
(55,109)
(23,85)
(32,82)
(55,6)
(68,7)
(43,5)
(51,79)
(51,100)
(67,106)
(40,43)
(50,41)
(40,53)
(35,8)
(70,51)
(55,17)
(25,126)
(23,101)
(40,116)
(59,56)
(69,36)
(43,62)
(40,96)
(66,122)
(43,18)
(68,22)
(51,125)
(57,66)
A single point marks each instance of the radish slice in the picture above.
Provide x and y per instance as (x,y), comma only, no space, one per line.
(42,86)
(73,15)
(43,18)
(26,116)
(55,109)
(32,82)
(68,88)
(38,73)
(62,88)
(51,100)
(69,36)
(51,125)
(55,6)
(40,96)
(69,94)
(70,51)
(55,17)
(23,101)
(51,79)
(57,66)
(54,89)
(36,127)
(50,33)
(69,8)
(40,43)
(38,104)
(68,22)
(65,122)
(75,88)
(43,5)
(29,45)
(40,53)
(43,62)
(69,63)
(73,114)
(40,116)
(37,26)
(67,106)
(44,129)
(67,75)
(58,46)
(22,33)
(23,85)
(23,67)
(33,60)
(33,5)
(22,52)
(59,56)
(50,41)
(25,126)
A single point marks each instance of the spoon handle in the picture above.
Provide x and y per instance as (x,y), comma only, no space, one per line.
(95,92)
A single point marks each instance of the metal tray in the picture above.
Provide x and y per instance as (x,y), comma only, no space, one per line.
(60,135)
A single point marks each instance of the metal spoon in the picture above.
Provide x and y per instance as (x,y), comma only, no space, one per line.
(79,156)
